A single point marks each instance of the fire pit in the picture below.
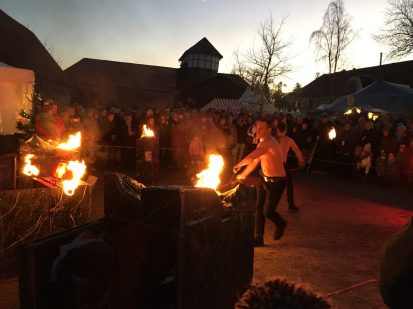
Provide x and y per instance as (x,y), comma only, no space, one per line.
(197,240)
(159,247)
(50,196)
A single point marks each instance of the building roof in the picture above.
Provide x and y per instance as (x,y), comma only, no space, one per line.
(202,47)
(21,48)
(340,83)
(95,72)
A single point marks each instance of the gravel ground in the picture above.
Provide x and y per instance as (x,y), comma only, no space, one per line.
(333,243)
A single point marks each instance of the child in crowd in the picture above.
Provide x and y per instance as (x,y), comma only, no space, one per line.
(381,167)
(364,162)
(393,169)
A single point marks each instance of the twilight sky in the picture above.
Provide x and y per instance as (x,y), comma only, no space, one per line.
(157,32)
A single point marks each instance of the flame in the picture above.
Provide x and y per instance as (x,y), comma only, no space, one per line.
(61,170)
(78,169)
(147,132)
(348,112)
(29,169)
(332,134)
(209,178)
(72,143)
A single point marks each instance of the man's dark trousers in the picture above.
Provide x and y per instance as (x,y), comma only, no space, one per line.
(290,189)
(268,197)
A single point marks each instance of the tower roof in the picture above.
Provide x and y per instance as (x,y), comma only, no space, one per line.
(202,47)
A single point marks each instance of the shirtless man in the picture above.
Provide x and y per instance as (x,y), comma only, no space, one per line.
(286,144)
(272,182)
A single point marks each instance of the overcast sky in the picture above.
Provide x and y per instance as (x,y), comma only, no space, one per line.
(157,32)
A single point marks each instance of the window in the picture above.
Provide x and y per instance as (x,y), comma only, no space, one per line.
(202,61)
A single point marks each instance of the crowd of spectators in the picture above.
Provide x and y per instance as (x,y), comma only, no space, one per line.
(380,149)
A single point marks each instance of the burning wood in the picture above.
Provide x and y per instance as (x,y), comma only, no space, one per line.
(209,178)
(146,132)
(29,169)
(332,134)
(72,143)
(78,170)
(60,170)
(69,170)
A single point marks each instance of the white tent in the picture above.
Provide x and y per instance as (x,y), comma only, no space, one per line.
(224,104)
(16,85)
(253,101)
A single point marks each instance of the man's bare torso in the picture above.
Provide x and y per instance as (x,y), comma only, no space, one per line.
(272,160)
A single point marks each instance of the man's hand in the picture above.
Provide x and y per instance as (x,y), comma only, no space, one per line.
(240,178)
(236,168)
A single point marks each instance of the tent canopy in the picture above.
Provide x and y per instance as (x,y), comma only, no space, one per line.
(9,74)
(224,104)
(253,101)
(390,97)
(15,86)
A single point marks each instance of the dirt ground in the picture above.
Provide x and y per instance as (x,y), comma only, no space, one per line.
(336,240)
(333,243)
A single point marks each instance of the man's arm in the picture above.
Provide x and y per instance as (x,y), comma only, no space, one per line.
(248,169)
(297,152)
(262,148)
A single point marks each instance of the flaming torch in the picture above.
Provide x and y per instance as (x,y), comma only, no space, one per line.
(29,169)
(209,178)
(146,132)
(332,134)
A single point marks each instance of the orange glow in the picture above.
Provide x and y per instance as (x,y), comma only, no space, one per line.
(29,169)
(147,132)
(209,178)
(72,143)
(332,134)
(61,170)
(78,170)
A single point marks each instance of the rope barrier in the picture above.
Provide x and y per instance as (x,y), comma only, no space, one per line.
(314,159)
(350,288)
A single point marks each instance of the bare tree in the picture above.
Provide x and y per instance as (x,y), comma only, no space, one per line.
(263,63)
(334,36)
(50,49)
(398,33)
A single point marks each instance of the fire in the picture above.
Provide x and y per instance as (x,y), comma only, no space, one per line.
(209,178)
(61,170)
(29,169)
(73,142)
(78,170)
(147,132)
(332,134)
